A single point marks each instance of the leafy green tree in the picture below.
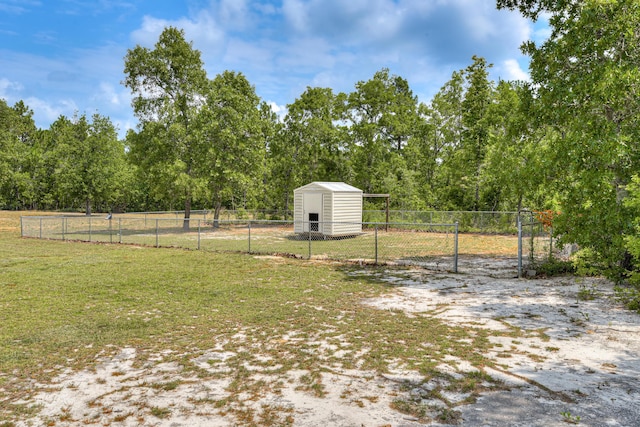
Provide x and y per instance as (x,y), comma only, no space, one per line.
(89,161)
(233,134)
(422,154)
(440,144)
(475,134)
(271,128)
(18,137)
(587,77)
(169,86)
(382,114)
(460,115)
(310,145)
(516,165)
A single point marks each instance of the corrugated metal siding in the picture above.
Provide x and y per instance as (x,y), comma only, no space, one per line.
(327,213)
(298,225)
(347,213)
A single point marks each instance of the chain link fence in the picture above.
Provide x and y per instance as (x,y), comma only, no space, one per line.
(485,222)
(509,242)
(535,242)
(411,244)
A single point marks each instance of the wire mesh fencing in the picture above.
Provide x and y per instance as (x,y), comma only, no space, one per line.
(535,242)
(437,246)
(432,245)
(484,222)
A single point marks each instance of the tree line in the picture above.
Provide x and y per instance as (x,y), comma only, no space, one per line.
(213,143)
(567,141)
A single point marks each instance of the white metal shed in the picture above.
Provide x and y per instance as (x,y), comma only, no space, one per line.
(327,208)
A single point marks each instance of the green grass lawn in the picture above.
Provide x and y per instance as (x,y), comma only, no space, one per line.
(63,303)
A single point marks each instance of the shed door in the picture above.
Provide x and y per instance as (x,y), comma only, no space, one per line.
(312,211)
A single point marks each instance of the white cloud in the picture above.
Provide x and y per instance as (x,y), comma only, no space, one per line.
(47,112)
(513,71)
(240,53)
(295,14)
(234,13)
(282,48)
(448,31)
(280,110)
(203,30)
(107,92)
(307,55)
(18,7)
(7,86)
(148,34)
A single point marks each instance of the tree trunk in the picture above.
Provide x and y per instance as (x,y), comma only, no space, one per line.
(217,206)
(187,213)
(286,206)
(88,207)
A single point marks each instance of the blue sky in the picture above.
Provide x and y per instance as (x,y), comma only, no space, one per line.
(66,56)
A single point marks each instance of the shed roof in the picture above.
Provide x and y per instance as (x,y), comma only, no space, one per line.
(331,186)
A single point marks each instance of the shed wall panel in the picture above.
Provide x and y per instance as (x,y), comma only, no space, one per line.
(298,221)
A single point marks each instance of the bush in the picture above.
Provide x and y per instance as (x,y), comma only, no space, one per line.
(553,267)
(629,296)
(586,263)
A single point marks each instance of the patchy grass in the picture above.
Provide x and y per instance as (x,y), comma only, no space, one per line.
(62,304)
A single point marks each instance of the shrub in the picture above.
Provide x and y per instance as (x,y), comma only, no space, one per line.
(629,296)
(586,263)
(553,267)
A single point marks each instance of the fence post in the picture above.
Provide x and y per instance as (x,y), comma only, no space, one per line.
(157,235)
(455,249)
(120,230)
(205,215)
(376,243)
(249,236)
(519,246)
(309,227)
(532,244)
(110,231)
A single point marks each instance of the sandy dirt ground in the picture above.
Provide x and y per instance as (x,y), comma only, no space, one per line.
(587,372)
(584,369)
